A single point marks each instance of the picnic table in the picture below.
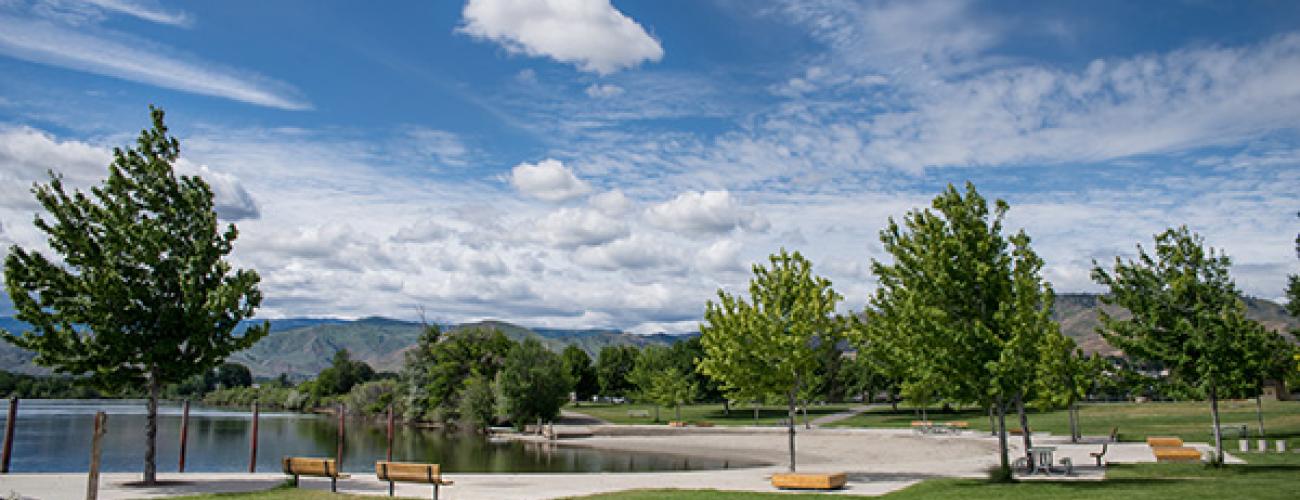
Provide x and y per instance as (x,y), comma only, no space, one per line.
(1042,459)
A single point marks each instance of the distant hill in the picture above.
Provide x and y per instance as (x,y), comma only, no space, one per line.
(302,347)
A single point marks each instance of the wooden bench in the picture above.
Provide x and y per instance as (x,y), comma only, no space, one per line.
(809,481)
(1176,454)
(956,427)
(921,426)
(677,423)
(315,467)
(638,413)
(410,473)
(1242,430)
(1164,442)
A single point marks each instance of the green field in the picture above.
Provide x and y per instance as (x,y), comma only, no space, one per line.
(1275,479)
(1136,421)
(712,413)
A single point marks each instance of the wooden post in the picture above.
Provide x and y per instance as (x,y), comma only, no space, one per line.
(252,453)
(338,457)
(390,433)
(9,435)
(101,426)
(185,432)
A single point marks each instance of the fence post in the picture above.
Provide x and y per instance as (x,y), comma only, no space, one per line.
(390,432)
(252,453)
(185,432)
(92,486)
(9,435)
(338,458)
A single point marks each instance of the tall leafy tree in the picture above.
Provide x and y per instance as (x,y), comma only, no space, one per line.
(533,384)
(661,378)
(612,366)
(437,368)
(581,372)
(772,343)
(1293,284)
(962,306)
(1187,314)
(141,295)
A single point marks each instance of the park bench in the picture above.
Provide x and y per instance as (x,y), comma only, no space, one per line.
(809,481)
(677,423)
(921,426)
(956,427)
(315,467)
(1242,430)
(638,413)
(1176,454)
(1164,442)
(410,473)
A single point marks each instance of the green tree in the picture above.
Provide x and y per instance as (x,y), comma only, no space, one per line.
(1064,376)
(437,368)
(1293,284)
(771,345)
(660,379)
(581,372)
(342,374)
(962,308)
(533,383)
(612,366)
(234,375)
(142,295)
(477,404)
(1187,314)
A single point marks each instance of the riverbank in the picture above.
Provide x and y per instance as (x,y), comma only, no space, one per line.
(878,461)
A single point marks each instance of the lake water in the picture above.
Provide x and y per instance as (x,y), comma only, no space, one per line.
(54,436)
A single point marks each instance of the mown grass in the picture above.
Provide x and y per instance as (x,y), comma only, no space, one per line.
(1276,479)
(1136,421)
(712,413)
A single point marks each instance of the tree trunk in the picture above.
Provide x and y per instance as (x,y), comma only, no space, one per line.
(993,423)
(1005,462)
(1218,435)
(1074,422)
(1259,411)
(790,427)
(656,413)
(151,434)
(726,407)
(677,413)
(755,413)
(806,425)
(893,400)
(1024,429)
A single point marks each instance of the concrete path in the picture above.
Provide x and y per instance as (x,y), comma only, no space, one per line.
(844,415)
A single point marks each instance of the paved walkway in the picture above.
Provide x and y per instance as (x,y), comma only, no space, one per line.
(844,415)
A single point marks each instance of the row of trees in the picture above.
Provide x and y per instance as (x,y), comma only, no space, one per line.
(962,315)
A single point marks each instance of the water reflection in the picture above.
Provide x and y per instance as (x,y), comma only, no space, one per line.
(54,436)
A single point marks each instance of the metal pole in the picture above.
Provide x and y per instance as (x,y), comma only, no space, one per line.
(390,432)
(9,435)
(185,433)
(252,454)
(101,426)
(338,458)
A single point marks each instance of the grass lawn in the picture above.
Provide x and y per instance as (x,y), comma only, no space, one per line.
(744,415)
(1136,421)
(1275,478)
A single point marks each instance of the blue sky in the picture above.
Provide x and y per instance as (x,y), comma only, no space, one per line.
(588,164)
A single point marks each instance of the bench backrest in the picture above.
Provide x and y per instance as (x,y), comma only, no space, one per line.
(1162,442)
(407,472)
(310,466)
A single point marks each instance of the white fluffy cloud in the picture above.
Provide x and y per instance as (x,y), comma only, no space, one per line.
(590,34)
(547,180)
(574,227)
(708,212)
(603,90)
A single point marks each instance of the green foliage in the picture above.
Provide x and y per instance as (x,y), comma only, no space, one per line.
(478,402)
(371,398)
(660,378)
(533,384)
(1187,315)
(612,368)
(341,376)
(56,387)
(774,344)
(142,295)
(962,312)
(578,365)
(142,272)
(1293,284)
(436,370)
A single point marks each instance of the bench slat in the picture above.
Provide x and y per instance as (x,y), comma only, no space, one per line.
(410,472)
(806,481)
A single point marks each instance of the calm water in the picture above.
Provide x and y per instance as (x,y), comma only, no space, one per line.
(54,436)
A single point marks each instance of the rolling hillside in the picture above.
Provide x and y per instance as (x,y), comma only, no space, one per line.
(302,347)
